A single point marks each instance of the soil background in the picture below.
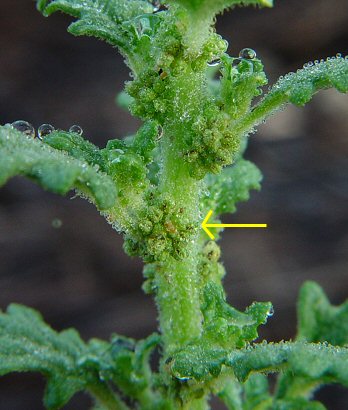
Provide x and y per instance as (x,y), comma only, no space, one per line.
(78,275)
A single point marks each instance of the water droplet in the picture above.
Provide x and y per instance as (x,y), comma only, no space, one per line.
(156,5)
(24,127)
(57,223)
(247,53)
(76,129)
(270,312)
(44,129)
(338,55)
(236,61)
(214,63)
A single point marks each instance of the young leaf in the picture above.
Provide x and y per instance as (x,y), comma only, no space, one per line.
(102,19)
(319,362)
(298,88)
(28,344)
(76,146)
(225,325)
(224,328)
(224,191)
(212,7)
(318,320)
(52,169)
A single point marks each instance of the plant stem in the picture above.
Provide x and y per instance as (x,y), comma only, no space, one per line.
(178,292)
(178,296)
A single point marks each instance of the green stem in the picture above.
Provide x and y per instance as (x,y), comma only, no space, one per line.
(106,397)
(260,112)
(178,296)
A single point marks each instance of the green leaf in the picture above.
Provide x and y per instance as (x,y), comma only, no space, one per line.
(102,18)
(298,88)
(224,328)
(124,362)
(318,320)
(225,325)
(28,344)
(76,146)
(52,169)
(256,393)
(211,7)
(319,362)
(241,82)
(224,191)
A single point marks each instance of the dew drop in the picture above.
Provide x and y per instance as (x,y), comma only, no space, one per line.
(44,129)
(236,61)
(157,6)
(214,63)
(76,129)
(270,312)
(24,127)
(57,223)
(247,53)
(339,55)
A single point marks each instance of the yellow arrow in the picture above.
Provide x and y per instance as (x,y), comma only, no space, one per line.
(205,225)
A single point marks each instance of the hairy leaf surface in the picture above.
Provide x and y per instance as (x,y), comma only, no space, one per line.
(231,186)
(318,320)
(298,88)
(211,7)
(54,170)
(28,344)
(101,18)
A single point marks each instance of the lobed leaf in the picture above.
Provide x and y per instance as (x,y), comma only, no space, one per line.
(233,185)
(224,328)
(28,344)
(102,18)
(227,326)
(212,7)
(314,361)
(298,88)
(52,169)
(318,320)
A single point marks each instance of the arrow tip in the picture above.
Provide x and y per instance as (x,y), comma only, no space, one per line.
(204,225)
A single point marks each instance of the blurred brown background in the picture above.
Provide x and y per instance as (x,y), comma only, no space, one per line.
(79,276)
